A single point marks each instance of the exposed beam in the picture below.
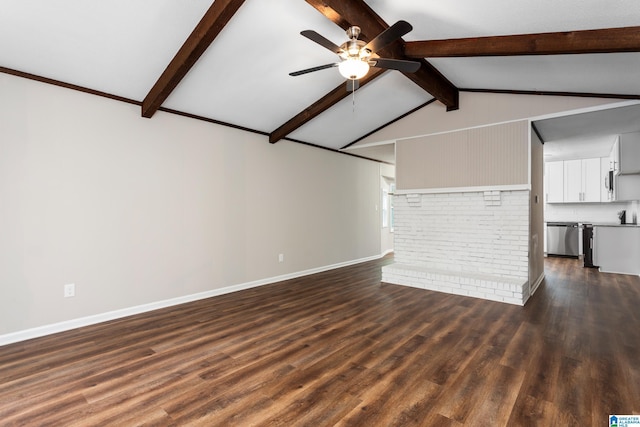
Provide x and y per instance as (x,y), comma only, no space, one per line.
(608,40)
(357,12)
(554,93)
(66,85)
(315,109)
(427,77)
(348,13)
(213,21)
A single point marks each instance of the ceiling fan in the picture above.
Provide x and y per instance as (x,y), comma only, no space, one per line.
(357,56)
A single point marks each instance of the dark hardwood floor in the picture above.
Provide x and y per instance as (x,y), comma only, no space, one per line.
(339,348)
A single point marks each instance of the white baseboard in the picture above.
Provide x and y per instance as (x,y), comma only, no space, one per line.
(537,283)
(117,314)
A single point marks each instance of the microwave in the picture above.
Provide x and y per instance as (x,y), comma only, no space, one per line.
(609,180)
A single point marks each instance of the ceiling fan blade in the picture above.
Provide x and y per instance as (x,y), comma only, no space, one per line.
(352,85)
(395,64)
(388,36)
(322,41)
(312,69)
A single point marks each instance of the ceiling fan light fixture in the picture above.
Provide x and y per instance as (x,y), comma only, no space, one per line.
(353,68)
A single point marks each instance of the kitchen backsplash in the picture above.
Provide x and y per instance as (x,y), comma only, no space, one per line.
(590,212)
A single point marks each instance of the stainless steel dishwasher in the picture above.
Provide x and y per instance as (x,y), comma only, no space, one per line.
(562,239)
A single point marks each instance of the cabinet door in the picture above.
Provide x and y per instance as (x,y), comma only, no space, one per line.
(554,182)
(573,181)
(591,180)
(614,156)
(604,176)
(629,153)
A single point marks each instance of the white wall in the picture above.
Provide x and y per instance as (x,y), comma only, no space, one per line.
(388,173)
(136,211)
(464,232)
(587,212)
(465,243)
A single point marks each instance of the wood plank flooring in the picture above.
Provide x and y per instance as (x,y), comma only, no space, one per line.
(340,348)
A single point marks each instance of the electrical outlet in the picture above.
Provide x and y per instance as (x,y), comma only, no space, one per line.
(281,258)
(69,290)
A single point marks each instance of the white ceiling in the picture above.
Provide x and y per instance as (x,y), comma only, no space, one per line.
(586,135)
(121,47)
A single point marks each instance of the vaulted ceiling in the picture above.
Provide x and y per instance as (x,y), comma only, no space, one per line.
(229,61)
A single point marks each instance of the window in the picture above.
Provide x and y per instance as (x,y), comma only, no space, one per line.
(385,208)
(387,188)
(392,191)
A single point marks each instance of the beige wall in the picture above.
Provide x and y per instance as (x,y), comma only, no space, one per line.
(136,210)
(536,215)
(478,109)
(484,156)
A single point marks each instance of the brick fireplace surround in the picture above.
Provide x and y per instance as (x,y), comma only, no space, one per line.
(465,243)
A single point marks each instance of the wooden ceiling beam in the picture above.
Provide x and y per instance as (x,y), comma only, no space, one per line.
(213,21)
(607,40)
(318,107)
(356,12)
(348,13)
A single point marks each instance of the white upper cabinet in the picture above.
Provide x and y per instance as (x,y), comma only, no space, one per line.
(614,156)
(573,181)
(591,180)
(582,180)
(626,154)
(554,182)
(605,194)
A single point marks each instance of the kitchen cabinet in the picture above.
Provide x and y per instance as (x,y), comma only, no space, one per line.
(605,194)
(614,156)
(616,249)
(627,187)
(554,185)
(575,181)
(572,181)
(581,180)
(625,154)
(591,180)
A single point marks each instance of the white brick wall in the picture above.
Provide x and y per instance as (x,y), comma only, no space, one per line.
(479,237)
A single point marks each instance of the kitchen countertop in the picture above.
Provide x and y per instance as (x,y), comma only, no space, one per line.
(595,224)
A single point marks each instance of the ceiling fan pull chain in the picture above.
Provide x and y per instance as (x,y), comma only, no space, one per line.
(353,100)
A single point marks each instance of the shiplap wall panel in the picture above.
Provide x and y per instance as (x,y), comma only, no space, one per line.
(485,156)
